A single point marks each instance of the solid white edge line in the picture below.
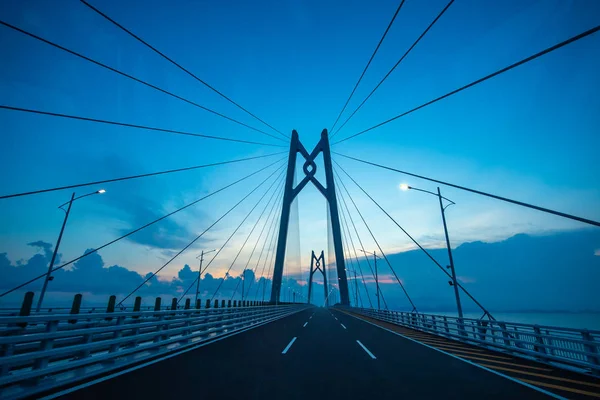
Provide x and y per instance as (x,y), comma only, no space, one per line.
(306,323)
(107,377)
(288,346)
(553,395)
(343,326)
(366,350)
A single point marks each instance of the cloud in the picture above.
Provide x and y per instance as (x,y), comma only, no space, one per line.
(136,205)
(166,234)
(91,277)
(46,248)
(521,273)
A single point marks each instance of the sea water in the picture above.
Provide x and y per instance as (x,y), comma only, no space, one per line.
(587,320)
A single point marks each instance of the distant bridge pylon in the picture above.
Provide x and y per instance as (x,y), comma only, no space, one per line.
(317,264)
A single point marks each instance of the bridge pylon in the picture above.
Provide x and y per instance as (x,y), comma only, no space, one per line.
(291,192)
(317,264)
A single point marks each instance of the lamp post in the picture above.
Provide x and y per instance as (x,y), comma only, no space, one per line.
(49,276)
(355,285)
(375,257)
(201,257)
(243,283)
(450,258)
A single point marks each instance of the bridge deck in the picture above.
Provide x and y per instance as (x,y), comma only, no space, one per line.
(333,355)
(558,381)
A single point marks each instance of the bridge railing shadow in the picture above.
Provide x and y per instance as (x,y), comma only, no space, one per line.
(46,350)
(577,349)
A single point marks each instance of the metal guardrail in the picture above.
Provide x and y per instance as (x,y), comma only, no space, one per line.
(16,311)
(45,351)
(562,347)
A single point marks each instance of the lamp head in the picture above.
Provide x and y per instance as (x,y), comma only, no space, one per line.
(101,191)
(404,186)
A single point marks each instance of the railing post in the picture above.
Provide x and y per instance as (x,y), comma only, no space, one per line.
(207,303)
(7,350)
(461,328)
(446,328)
(118,334)
(550,343)
(482,329)
(174,304)
(25,308)
(159,327)
(198,304)
(187,304)
(229,304)
(87,339)
(75,307)
(137,305)
(223,303)
(157,304)
(46,345)
(505,334)
(518,345)
(590,347)
(26,305)
(216,303)
(539,340)
(111,306)
(235,303)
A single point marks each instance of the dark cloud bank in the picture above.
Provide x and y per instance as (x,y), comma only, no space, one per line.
(552,272)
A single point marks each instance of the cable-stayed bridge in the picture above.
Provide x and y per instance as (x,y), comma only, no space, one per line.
(264,341)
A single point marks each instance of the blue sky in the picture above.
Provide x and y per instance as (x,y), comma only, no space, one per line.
(530,134)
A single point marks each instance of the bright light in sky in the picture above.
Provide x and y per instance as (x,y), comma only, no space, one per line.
(102,191)
(404,186)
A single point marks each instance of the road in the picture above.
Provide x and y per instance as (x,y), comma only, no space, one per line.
(314,354)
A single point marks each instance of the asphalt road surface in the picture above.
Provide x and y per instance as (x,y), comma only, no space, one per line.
(314,354)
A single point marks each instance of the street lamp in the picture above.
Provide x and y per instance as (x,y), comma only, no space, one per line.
(201,257)
(49,276)
(375,257)
(443,211)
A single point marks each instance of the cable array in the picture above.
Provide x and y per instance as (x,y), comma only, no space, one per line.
(368,64)
(203,232)
(493,196)
(95,250)
(394,67)
(341,195)
(136,126)
(478,81)
(246,240)
(125,178)
(133,78)
(269,220)
(415,242)
(347,234)
(179,66)
(414,308)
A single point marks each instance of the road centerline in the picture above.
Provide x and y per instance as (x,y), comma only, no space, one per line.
(306,323)
(343,326)
(366,350)
(288,346)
